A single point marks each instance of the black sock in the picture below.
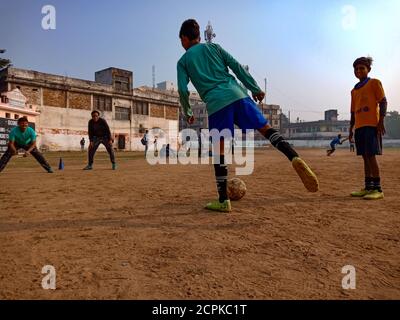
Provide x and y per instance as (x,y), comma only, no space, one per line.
(377,184)
(279,142)
(221,175)
(369,183)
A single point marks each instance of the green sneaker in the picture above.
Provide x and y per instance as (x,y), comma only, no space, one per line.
(360,194)
(114,166)
(219,206)
(50,170)
(374,195)
(88,167)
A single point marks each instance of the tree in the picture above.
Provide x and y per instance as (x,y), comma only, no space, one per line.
(4,63)
(392,124)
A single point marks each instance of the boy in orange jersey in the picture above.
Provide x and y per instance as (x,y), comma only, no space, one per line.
(368,110)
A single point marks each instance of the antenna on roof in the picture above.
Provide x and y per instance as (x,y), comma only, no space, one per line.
(154,76)
(209,33)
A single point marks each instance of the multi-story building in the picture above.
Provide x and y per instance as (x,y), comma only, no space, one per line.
(65,104)
(199,112)
(318,130)
(167,86)
(272,112)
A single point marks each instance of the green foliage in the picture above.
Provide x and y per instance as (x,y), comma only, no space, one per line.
(392,125)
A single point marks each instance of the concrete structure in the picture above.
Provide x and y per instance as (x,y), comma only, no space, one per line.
(272,112)
(325,129)
(331,115)
(65,105)
(120,80)
(167,86)
(199,112)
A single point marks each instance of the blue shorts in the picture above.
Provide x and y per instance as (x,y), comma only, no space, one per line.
(244,113)
(368,143)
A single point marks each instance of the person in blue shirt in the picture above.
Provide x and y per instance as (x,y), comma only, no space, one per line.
(23,137)
(334,142)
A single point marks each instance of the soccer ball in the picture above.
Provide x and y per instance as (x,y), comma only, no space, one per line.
(236,189)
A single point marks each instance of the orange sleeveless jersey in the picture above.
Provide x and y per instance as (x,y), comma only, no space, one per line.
(365,103)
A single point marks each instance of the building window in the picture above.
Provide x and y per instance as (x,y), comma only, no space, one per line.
(121,83)
(16,117)
(140,107)
(122,113)
(102,103)
(141,128)
(8,115)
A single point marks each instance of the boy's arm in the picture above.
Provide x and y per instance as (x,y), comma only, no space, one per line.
(109,136)
(352,123)
(183,80)
(381,98)
(241,73)
(31,146)
(352,119)
(382,114)
(11,145)
(90,131)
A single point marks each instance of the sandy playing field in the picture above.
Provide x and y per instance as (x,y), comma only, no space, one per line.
(141,232)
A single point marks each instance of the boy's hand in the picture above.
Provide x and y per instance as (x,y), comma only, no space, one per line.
(381,127)
(259,97)
(27,153)
(351,136)
(190,120)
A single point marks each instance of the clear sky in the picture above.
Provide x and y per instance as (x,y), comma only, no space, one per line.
(305,49)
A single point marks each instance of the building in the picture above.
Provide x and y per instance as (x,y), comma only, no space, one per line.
(167,86)
(272,112)
(199,112)
(64,105)
(13,105)
(325,129)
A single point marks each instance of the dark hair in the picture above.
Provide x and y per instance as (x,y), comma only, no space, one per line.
(366,61)
(191,29)
(22,119)
(95,111)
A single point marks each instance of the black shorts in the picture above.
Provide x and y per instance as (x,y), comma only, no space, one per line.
(368,143)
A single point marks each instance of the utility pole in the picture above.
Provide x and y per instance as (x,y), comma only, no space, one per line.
(154,76)
(265,90)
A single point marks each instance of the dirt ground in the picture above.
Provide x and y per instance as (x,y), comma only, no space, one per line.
(141,232)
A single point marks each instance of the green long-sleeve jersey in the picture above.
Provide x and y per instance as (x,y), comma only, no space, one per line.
(206,66)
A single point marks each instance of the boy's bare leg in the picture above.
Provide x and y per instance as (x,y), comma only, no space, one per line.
(373,167)
(367,169)
(264,129)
